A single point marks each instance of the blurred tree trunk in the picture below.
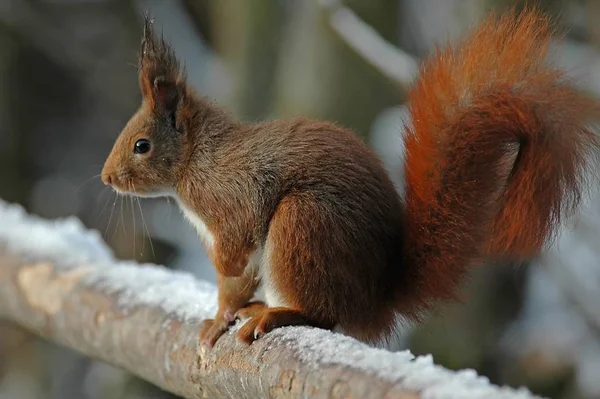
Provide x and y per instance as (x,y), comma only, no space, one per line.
(11,184)
(20,362)
(466,334)
(592,8)
(321,77)
(247,35)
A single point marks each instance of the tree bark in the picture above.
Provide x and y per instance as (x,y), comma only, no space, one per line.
(161,349)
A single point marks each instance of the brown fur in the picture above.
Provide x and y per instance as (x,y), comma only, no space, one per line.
(495,153)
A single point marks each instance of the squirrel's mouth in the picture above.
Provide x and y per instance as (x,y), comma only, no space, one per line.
(116,183)
(125,185)
(143,192)
(122,191)
(151,193)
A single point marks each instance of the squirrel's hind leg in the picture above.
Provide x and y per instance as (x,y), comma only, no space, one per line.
(305,278)
(251,310)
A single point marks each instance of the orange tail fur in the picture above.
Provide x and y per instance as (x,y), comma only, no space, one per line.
(496,152)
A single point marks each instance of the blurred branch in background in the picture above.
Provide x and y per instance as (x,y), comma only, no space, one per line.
(320,76)
(397,65)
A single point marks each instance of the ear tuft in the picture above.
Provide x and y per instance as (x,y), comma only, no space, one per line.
(147,36)
(161,80)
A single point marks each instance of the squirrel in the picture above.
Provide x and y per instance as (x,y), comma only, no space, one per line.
(497,150)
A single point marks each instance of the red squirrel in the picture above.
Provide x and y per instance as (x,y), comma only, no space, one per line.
(497,148)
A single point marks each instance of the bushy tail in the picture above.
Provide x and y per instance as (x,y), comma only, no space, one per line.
(496,152)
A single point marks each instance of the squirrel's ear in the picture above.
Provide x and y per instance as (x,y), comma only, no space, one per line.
(161,80)
(165,93)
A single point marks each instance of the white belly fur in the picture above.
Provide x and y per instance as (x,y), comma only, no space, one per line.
(273,297)
(203,231)
(259,259)
(267,291)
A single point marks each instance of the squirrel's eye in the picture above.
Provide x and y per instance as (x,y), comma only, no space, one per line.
(141,146)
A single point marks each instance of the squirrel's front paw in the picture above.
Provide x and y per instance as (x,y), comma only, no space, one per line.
(212,329)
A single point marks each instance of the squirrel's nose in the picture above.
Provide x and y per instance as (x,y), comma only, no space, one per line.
(107,178)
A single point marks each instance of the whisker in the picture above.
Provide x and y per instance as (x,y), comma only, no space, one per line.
(145,226)
(120,217)
(135,228)
(130,189)
(86,182)
(99,198)
(111,214)
(123,206)
(170,208)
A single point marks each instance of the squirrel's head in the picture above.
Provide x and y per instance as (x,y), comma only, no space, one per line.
(149,153)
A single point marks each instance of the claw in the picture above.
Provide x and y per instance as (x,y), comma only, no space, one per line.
(238,315)
(258,334)
(246,333)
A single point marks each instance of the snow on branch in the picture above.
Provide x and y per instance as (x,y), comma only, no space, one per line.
(391,61)
(60,281)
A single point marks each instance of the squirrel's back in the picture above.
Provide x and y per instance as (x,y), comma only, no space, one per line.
(497,148)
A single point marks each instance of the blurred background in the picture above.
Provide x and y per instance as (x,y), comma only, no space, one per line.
(68,84)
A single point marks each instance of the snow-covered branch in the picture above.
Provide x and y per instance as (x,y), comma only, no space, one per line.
(60,281)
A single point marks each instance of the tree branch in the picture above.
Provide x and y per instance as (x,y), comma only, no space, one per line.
(61,282)
(394,63)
